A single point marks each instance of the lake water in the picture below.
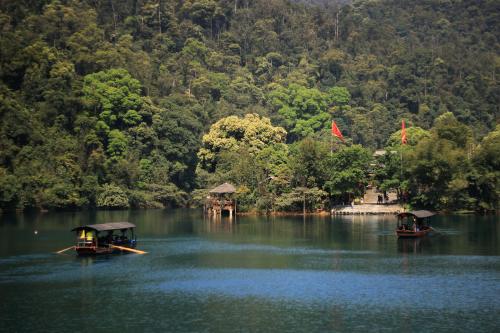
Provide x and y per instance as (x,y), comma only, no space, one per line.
(340,274)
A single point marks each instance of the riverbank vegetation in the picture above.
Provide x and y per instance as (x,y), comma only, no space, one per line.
(116,104)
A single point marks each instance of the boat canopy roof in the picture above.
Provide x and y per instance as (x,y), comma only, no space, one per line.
(106,226)
(417,213)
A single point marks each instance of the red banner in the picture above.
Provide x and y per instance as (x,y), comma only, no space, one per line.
(403,132)
(336,131)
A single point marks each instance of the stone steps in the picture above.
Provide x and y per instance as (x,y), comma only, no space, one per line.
(367,209)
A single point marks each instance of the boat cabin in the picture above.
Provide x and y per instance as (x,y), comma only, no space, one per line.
(414,223)
(104,238)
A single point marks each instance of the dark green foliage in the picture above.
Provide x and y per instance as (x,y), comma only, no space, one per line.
(303,111)
(443,168)
(114,97)
(300,198)
(348,173)
(308,162)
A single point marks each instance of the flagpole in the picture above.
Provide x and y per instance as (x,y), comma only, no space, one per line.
(401,177)
(403,142)
(401,163)
(331,145)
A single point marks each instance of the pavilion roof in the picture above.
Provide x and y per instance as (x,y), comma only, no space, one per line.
(223,188)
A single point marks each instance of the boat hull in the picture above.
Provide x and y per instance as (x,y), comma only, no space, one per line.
(412,234)
(100,250)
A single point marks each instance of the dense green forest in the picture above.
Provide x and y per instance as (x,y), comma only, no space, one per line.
(115,104)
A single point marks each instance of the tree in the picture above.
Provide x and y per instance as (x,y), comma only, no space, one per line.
(301,198)
(413,136)
(348,173)
(252,133)
(117,144)
(308,163)
(114,96)
(107,85)
(112,196)
(486,175)
(389,172)
(447,127)
(9,189)
(438,166)
(304,111)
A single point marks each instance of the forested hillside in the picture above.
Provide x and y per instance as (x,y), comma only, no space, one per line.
(104,103)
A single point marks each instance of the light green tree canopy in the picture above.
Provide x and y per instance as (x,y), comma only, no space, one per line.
(488,154)
(112,196)
(487,176)
(232,133)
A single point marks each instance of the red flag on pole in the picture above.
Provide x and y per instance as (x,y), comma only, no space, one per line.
(403,132)
(336,131)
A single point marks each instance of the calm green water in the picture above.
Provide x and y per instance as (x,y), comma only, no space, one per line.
(342,274)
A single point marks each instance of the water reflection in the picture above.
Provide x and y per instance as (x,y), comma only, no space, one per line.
(86,261)
(217,225)
(251,274)
(414,245)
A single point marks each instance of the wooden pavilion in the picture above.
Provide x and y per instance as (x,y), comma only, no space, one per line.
(221,199)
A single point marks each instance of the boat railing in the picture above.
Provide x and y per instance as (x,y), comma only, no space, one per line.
(85,243)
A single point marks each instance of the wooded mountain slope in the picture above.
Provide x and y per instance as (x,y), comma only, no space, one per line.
(104,103)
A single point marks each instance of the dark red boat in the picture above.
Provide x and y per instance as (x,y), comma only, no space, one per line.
(106,238)
(414,223)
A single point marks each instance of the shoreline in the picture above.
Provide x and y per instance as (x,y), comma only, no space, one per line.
(333,212)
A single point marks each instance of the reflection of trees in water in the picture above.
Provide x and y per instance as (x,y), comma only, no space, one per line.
(456,234)
(217,225)
(415,245)
(409,245)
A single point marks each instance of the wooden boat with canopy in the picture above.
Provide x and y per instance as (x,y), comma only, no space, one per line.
(105,238)
(414,223)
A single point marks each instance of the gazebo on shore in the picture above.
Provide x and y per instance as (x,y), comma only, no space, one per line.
(221,198)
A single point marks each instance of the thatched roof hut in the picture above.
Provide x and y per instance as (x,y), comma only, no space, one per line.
(225,188)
